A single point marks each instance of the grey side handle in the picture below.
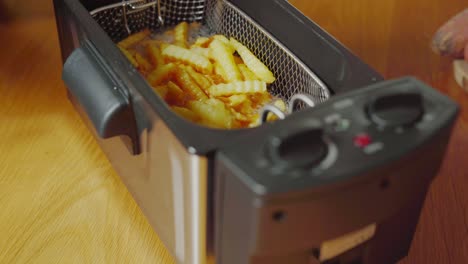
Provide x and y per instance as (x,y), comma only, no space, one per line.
(97,96)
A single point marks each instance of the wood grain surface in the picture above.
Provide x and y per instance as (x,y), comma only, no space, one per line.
(61,201)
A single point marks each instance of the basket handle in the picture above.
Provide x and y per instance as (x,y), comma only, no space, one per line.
(98,99)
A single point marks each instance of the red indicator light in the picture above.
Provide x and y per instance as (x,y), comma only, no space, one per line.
(362,140)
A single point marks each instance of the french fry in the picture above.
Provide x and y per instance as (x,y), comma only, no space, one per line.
(183,79)
(161,74)
(242,87)
(199,78)
(134,39)
(143,63)
(186,113)
(191,58)
(213,81)
(161,90)
(246,73)
(224,57)
(202,42)
(202,51)
(238,60)
(213,112)
(237,99)
(253,63)
(281,105)
(180,35)
(129,57)
(215,78)
(226,42)
(218,70)
(154,55)
(175,95)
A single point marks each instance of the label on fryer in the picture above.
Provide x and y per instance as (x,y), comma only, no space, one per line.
(334,247)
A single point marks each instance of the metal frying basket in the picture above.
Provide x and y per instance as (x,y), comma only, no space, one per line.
(220,16)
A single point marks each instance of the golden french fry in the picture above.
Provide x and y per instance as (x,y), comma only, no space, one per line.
(218,70)
(154,55)
(202,51)
(199,78)
(143,63)
(241,117)
(238,60)
(186,113)
(202,42)
(215,78)
(255,121)
(189,57)
(161,90)
(213,112)
(246,73)
(237,99)
(183,79)
(134,39)
(180,34)
(129,57)
(175,95)
(242,87)
(161,74)
(223,56)
(253,63)
(281,105)
(226,42)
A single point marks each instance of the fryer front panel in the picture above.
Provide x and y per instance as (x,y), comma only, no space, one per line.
(278,199)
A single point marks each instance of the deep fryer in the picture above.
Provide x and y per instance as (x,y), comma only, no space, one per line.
(342,182)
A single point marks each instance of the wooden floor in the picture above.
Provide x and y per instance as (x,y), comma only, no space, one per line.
(61,201)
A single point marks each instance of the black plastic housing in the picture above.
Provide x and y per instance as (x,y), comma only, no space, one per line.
(269,213)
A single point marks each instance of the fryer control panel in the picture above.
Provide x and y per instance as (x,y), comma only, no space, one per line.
(343,137)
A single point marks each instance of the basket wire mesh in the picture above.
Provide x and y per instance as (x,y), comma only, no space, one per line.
(221,17)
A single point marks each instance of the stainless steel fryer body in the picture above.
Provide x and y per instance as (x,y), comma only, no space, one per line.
(168,179)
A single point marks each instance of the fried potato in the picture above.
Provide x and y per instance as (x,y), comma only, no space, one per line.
(199,62)
(183,79)
(226,42)
(161,74)
(199,78)
(213,81)
(237,99)
(253,63)
(224,57)
(241,87)
(202,42)
(134,39)
(215,78)
(154,55)
(161,90)
(143,63)
(213,112)
(281,105)
(186,113)
(180,35)
(129,57)
(247,74)
(175,95)
(238,60)
(202,51)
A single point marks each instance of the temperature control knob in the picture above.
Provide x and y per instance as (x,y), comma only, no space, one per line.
(303,149)
(404,109)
